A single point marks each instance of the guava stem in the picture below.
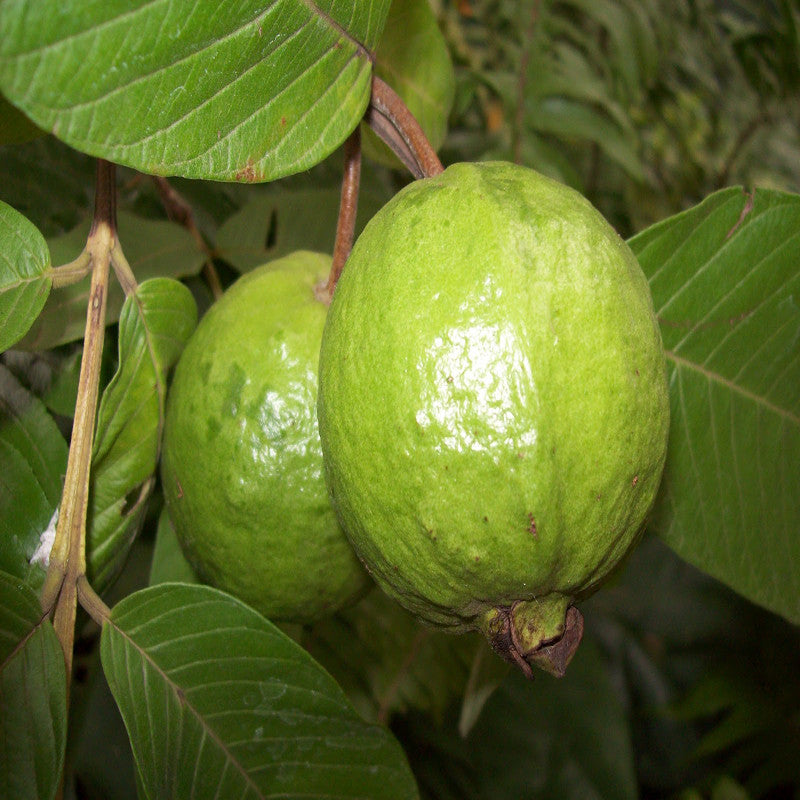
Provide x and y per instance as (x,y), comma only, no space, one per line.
(68,556)
(391,120)
(348,209)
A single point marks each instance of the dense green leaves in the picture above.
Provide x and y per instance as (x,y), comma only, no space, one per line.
(219,703)
(230,91)
(33,459)
(555,738)
(153,248)
(283,219)
(24,275)
(48,182)
(725,281)
(388,662)
(155,323)
(33,697)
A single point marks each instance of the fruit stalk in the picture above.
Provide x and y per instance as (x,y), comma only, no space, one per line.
(391,120)
(348,208)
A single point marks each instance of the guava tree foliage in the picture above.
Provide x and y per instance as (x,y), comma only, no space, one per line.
(150,152)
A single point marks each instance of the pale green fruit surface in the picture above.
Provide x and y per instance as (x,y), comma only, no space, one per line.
(242,465)
(493,402)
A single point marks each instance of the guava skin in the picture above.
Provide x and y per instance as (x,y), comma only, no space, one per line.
(493,405)
(242,463)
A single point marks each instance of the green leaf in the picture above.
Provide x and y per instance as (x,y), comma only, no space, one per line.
(25,278)
(153,248)
(155,323)
(413,58)
(725,280)
(169,565)
(219,703)
(555,737)
(33,696)
(33,460)
(284,219)
(225,91)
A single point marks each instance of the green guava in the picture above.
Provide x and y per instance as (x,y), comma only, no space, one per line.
(493,405)
(242,465)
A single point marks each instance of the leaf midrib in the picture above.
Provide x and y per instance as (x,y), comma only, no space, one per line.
(710,375)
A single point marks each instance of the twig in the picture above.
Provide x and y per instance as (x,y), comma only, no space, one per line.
(179,210)
(91,602)
(391,120)
(348,208)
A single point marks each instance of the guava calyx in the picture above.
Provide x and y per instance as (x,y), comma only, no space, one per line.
(543,634)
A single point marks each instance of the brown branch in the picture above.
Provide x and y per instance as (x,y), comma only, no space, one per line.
(178,210)
(391,120)
(348,209)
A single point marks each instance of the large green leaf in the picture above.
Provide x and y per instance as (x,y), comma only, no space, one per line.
(555,738)
(33,697)
(412,57)
(219,703)
(25,278)
(153,248)
(155,323)
(33,460)
(228,90)
(725,279)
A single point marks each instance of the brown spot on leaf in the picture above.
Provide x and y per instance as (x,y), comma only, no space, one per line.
(635,480)
(247,174)
(532,525)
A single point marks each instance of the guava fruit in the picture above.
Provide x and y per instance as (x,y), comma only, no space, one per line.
(493,405)
(242,465)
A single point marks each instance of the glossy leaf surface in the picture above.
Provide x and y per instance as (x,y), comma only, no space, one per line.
(232,90)
(33,460)
(725,279)
(33,697)
(155,323)
(219,703)
(25,278)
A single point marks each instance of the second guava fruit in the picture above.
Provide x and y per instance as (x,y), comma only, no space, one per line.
(242,464)
(493,405)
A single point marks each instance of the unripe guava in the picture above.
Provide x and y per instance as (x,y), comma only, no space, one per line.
(242,465)
(493,405)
